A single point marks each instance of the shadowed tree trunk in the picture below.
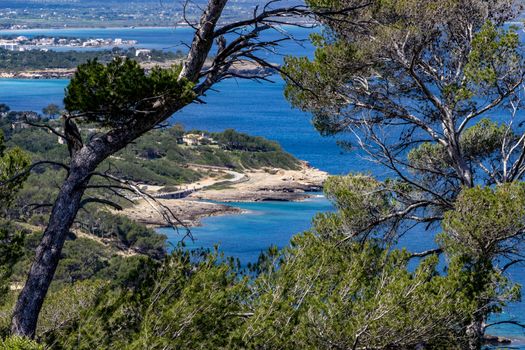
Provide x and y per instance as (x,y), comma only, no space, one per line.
(475,333)
(48,253)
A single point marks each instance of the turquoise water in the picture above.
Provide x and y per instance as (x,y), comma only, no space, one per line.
(257,109)
(263,224)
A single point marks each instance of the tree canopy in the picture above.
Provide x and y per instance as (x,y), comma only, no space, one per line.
(12,163)
(114,94)
(432,93)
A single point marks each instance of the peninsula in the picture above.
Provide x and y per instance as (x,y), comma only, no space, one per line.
(185,172)
(250,185)
(36,64)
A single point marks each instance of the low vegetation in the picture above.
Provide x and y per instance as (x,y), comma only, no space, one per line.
(19,61)
(157,158)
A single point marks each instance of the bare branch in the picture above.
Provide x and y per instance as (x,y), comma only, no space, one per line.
(31,168)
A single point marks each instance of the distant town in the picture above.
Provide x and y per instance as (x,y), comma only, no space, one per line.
(23,43)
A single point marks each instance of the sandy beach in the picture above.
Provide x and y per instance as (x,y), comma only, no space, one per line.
(255,185)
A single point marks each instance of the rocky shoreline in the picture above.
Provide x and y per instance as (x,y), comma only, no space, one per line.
(259,185)
(189,212)
(243,67)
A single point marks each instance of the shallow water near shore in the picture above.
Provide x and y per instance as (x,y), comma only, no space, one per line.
(262,225)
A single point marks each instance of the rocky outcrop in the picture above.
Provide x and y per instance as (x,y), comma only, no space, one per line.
(496,341)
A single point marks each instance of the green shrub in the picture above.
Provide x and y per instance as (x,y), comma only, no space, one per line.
(18,343)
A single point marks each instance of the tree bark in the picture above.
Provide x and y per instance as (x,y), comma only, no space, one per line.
(475,334)
(48,254)
(455,153)
(202,41)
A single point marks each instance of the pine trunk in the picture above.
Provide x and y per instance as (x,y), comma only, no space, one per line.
(48,254)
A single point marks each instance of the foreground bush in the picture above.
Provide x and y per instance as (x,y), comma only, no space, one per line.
(17,343)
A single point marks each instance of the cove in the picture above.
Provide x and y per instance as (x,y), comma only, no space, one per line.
(262,225)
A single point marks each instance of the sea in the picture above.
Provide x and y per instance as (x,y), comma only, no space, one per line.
(256,108)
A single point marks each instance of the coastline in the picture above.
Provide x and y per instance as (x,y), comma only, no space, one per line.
(120,27)
(243,67)
(212,197)
(117,27)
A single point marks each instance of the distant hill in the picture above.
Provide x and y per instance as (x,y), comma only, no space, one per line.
(20,14)
(32,3)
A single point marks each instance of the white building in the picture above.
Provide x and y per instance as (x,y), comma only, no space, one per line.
(9,45)
(141,52)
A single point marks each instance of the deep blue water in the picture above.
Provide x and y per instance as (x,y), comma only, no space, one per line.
(257,109)
(247,106)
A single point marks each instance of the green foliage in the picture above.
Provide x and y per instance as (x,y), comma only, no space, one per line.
(82,259)
(51,110)
(39,142)
(113,95)
(197,313)
(429,155)
(333,65)
(484,139)
(361,201)
(493,50)
(408,62)
(19,343)
(12,162)
(485,220)
(316,294)
(324,294)
(159,158)
(478,142)
(321,292)
(11,250)
(126,232)
(156,158)
(66,302)
(177,304)
(16,61)
(234,141)
(486,225)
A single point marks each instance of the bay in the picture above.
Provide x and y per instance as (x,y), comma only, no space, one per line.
(247,106)
(264,224)
(176,38)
